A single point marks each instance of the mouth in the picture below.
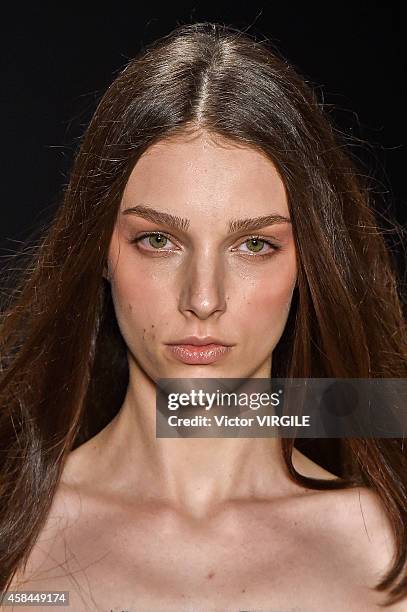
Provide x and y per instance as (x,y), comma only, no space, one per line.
(196,354)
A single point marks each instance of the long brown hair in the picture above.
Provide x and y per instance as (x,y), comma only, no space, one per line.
(64,367)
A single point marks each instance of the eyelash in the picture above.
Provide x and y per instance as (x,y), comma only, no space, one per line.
(275,247)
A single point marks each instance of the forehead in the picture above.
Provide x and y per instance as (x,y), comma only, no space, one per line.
(206,170)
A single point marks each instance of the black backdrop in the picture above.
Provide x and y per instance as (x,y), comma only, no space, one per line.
(57,60)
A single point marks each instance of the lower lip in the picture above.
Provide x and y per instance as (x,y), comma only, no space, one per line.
(189,353)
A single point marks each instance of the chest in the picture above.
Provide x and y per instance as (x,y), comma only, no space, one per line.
(156,563)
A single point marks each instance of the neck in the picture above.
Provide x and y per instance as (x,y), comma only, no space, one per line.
(194,476)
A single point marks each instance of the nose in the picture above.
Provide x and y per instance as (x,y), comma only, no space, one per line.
(203,287)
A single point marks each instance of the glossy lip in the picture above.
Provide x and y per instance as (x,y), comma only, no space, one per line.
(198,354)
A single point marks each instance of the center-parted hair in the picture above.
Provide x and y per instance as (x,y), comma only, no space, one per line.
(64,368)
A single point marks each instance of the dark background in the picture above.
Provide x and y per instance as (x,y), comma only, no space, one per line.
(56,63)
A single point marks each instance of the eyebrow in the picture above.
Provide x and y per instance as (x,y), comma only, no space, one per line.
(182,224)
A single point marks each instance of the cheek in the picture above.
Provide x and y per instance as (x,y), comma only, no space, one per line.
(267,303)
(272,304)
(137,289)
(139,301)
(139,312)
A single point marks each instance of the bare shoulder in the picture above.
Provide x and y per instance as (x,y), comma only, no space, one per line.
(370,524)
(373,532)
(362,537)
(355,516)
(52,564)
(355,513)
(354,524)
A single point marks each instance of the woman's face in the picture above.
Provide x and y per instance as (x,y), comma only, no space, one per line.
(206,275)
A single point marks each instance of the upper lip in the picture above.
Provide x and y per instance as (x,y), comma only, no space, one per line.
(200,341)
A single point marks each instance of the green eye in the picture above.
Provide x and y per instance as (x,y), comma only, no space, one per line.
(157,240)
(257,243)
